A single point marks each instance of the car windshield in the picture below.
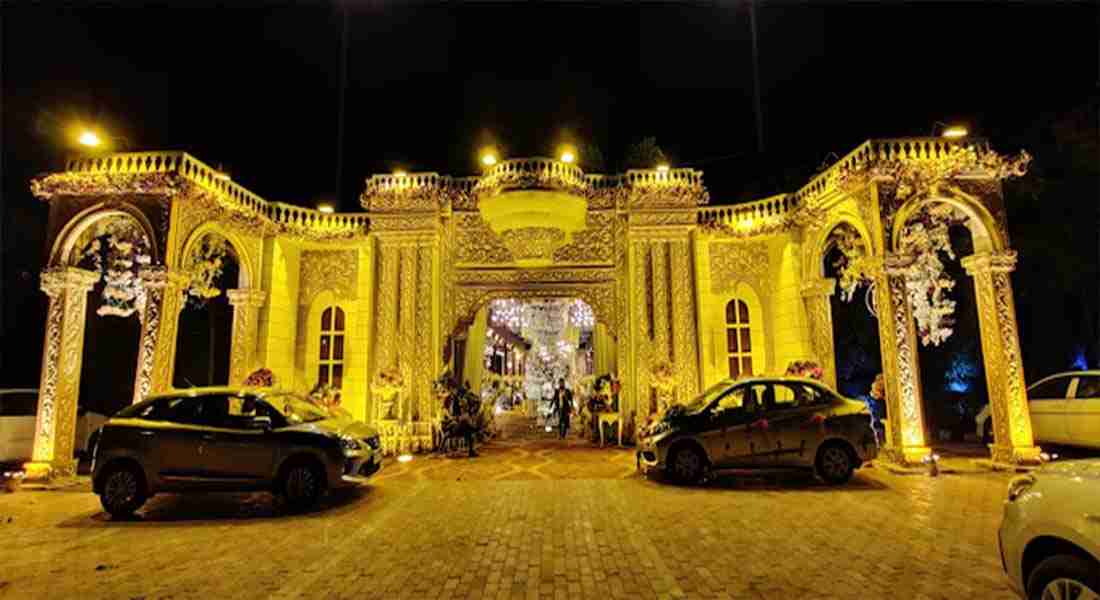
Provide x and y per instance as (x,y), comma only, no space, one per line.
(296,410)
(703,400)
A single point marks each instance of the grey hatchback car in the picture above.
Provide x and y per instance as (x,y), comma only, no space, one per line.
(762,423)
(229,439)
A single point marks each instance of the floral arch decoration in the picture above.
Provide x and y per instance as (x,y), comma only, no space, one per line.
(204,258)
(116,243)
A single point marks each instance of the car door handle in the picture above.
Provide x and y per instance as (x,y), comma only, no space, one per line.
(146,432)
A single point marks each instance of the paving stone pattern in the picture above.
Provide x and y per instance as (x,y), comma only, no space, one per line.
(532,517)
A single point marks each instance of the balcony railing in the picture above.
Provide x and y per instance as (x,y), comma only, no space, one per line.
(194,170)
(919,149)
(759,212)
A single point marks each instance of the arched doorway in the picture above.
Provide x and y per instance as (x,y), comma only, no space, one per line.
(115,248)
(857,350)
(205,333)
(944,301)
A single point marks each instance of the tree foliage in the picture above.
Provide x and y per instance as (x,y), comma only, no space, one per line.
(644,154)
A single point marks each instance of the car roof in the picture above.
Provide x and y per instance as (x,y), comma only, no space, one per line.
(216,390)
(777,379)
(1095,372)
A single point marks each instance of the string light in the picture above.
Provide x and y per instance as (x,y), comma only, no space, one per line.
(581,315)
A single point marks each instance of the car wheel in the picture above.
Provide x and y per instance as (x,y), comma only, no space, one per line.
(686,464)
(1064,577)
(302,486)
(834,464)
(987,431)
(123,491)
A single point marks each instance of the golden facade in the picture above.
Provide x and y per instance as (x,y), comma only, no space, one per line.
(411,272)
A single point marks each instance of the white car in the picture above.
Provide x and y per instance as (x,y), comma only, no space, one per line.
(1050,536)
(1065,409)
(18,410)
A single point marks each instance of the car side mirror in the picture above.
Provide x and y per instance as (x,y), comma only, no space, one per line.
(260,422)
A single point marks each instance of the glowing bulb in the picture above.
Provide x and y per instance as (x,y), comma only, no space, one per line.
(567,157)
(89,138)
(549,429)
(955,132)
(399,173)
(404,458)
(662,168)
(488,157)
(326,208)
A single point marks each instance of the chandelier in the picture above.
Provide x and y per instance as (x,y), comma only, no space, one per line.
(581,315)
(510,313)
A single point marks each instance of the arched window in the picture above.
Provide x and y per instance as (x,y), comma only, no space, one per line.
(738,342)
(330,368)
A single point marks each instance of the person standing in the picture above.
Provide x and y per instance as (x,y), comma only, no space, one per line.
(563,405)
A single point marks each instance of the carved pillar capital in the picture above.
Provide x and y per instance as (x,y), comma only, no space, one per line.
(990,262)
(895,265)
(164,278)
(247,297)
(246,307)
(56,280)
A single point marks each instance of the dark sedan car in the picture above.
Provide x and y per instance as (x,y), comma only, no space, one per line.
(229,439)
(781,422)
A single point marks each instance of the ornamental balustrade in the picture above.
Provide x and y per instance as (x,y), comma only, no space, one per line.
(910,149)
(193,170)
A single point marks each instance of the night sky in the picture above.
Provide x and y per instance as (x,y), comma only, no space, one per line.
(256,90)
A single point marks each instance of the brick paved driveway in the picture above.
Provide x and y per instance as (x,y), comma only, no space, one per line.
(530,518)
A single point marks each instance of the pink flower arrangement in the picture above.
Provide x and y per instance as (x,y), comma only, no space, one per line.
(261,378)
(804,368)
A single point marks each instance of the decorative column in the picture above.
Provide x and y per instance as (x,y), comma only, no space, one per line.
(59,385)
(901,370)
(685,345)
(816,296)
(1004,370)
(159,321)
(246,310)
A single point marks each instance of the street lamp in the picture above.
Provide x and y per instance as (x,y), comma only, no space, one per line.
(951,132)
(326,208)
(89,138)
(568,155)
(488,157)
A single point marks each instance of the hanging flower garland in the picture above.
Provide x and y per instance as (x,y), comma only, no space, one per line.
(118,251)
(927,284)
(205,265)
(854,267)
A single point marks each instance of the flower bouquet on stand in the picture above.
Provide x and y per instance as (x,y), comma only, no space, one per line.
(804,368)
(261,378)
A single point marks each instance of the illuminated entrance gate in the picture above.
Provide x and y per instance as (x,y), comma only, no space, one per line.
(657,266)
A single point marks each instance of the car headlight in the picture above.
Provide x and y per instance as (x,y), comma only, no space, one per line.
(350,443)
(1018,486)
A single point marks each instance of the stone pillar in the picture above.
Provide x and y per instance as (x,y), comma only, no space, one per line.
(816,297)
(159,321)
(901,369)
(246,311)
(59,386)
(1004,369)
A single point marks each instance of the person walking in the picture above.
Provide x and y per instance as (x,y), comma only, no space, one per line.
(563,405)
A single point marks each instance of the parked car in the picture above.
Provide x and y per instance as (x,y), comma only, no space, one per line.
(1065,409)
(1050,535)
(18,413)
(230,439)
(761,423)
